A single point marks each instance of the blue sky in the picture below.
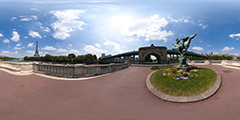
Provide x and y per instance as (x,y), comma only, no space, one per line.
(112,26)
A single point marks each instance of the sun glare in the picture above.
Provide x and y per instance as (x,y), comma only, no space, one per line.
(121,21)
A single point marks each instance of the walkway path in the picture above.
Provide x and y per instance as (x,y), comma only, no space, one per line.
(119,96)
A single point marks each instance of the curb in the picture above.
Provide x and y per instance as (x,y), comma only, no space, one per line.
(184,99)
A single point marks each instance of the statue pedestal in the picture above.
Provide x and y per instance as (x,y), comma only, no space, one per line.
(187,68)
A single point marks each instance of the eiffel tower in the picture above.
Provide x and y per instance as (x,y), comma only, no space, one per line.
(36,52)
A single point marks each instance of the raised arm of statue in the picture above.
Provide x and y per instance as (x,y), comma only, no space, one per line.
(177,43)
(192,36)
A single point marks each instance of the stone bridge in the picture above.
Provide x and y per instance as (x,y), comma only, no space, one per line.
(160,52)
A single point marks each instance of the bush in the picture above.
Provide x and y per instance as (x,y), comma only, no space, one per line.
(155,68)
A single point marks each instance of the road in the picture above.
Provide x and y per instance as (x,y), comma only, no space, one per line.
(121,95)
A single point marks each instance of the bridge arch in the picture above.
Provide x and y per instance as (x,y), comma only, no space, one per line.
(158,57)
(159,52)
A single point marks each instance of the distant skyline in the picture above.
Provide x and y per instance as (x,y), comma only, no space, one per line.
(114,26)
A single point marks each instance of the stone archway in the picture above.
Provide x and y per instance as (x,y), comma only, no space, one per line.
(159,52)
(158,57)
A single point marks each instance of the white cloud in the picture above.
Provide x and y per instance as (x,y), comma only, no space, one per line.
(197,48)
(76,52)
(18,45)
(235,35)
(5,52)
(209,45)
(46,29)
(188,20)
(1,35)
(32,17)
(61,50)
(68,21)
(116,46)
(94,50)
(30,45)
(43,54)
(70,45)
(17,48)
(34,34)
(29,53)
(16,36)
(8,53)
(48,48)
(97,45)
(227,48)
(150,28)
(25,19)
(202,25)
(6,41)
(61,35)
(130,39)
(34,9)
(13,18)
(182,20)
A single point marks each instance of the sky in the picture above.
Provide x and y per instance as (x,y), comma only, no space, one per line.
(113,26)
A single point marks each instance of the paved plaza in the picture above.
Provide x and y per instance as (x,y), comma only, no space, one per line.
(121,95)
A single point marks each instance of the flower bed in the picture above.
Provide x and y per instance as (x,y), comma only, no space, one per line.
(178,74)
(176,82)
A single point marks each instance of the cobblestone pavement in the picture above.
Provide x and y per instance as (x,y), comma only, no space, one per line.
(121,95)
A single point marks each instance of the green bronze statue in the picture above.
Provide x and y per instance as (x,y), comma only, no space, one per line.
(182,48)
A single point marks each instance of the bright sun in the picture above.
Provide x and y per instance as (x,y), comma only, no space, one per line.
(121,21)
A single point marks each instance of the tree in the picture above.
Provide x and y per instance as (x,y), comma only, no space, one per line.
(71,58)
(148,58)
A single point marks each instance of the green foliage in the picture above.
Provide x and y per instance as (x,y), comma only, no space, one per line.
(187,87)
(88,58)
(194,58)
(155,68)
(213,57)
(173,59)
(71,58)
(7,58)
(148,58)
(221,57)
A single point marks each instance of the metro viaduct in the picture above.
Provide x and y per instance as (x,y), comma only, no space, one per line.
(159,52)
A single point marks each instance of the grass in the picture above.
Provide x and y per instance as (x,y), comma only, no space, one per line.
(166,84)
(155,68)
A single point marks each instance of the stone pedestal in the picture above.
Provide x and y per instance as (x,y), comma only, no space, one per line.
(187,69)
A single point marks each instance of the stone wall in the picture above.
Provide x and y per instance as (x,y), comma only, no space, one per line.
(204,62)
(17,66)
(77,70)
(230,63)
(60,70)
